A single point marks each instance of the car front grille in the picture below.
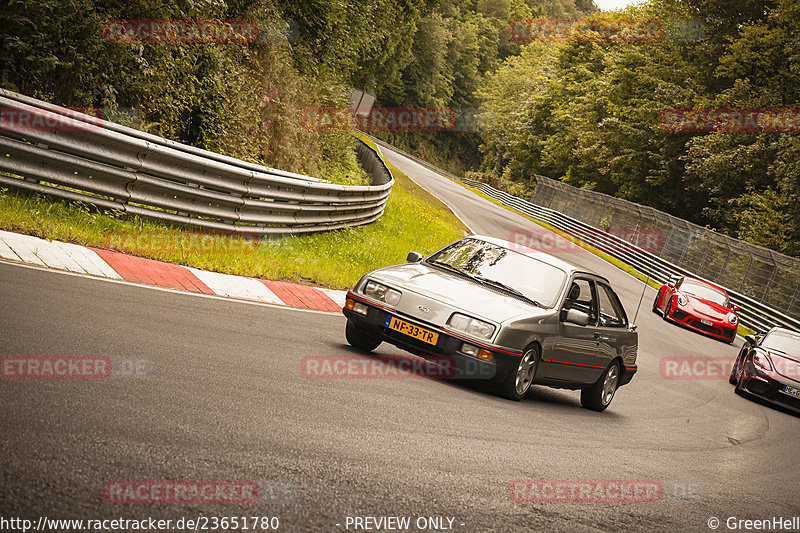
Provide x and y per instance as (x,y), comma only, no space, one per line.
(678,314)
(703,327)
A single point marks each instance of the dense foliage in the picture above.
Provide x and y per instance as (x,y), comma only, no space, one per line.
(588,113)
(243,99)
(584,112)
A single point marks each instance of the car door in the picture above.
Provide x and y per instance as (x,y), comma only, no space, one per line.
(576,351)
(612,323)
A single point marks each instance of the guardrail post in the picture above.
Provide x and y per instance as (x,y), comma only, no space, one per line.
(746,272)
(791,302)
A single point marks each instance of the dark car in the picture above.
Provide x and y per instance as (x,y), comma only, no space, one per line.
(698,305)
(768,366)
(515,316)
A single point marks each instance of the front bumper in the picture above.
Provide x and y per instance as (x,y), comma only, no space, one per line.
(725,332)
(448,345)
(768,385)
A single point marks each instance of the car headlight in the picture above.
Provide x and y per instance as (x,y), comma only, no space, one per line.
(382,293)
(732,318)
(682,299)
(471,326)
(761,359)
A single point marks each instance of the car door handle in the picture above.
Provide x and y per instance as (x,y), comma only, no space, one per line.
(597,335)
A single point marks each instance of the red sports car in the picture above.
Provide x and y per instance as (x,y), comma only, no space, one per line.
(699,305)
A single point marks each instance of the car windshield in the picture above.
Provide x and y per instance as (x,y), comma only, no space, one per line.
(782,341)
(535,279)
(705,292)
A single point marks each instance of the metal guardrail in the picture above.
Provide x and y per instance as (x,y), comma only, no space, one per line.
(752,313)
(414,158)
(757,272)
(69,155)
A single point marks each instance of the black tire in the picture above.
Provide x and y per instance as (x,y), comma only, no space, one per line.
(513,388)
(361,339)
(599,396)
(655,302)
(740,390)
(734,377)
(667,309)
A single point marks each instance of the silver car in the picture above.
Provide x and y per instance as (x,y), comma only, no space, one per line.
(509,314)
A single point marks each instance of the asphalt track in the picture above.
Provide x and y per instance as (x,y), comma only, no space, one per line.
(220,396)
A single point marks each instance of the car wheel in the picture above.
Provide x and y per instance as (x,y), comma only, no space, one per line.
(667,310)
(734,377)
(359,338)
(518,383)
(740,390)
(599,396)
(655,302)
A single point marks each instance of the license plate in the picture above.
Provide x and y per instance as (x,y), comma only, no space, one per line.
(706,322)
(791,391)
(422,334)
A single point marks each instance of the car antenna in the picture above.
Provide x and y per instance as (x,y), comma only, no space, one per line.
(646,283)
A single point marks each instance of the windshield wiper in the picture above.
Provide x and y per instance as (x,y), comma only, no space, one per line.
(487,281)
(453,269)
(512,290)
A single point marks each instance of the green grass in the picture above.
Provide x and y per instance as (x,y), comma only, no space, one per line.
(413,220)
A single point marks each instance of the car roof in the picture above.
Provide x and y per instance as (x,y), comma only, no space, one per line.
(569,268)
(783,330)
(704,282)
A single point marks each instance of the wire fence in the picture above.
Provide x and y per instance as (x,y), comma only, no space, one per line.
(759,273)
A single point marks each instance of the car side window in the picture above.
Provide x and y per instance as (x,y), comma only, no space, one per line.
(611,313)
(581,296)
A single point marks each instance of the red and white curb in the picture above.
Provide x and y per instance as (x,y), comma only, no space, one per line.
(115,265)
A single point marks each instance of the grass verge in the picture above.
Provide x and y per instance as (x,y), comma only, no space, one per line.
(413,220)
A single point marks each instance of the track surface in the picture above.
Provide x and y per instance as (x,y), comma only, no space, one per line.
(224,398)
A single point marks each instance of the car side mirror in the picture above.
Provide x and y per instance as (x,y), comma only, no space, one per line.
(577,317)
(750,339)
(413,257)
(735,307)
(671,284)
